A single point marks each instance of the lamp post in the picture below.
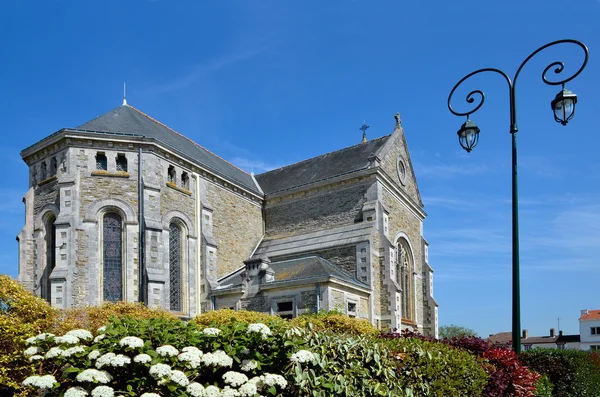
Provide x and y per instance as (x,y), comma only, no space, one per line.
(563,106)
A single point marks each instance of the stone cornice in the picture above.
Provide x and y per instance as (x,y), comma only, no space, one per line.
(401,196)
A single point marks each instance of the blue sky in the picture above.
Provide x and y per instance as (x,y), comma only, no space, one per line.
(266,83)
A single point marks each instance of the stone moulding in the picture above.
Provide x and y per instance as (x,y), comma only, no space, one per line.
(47,180)
(179,189)
(118,174)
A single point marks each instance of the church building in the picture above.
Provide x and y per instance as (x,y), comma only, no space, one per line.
(123,208)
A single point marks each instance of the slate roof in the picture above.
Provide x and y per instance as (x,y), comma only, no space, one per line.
(127,120)
(326,166)
(506,338)
(305,268)
(590,315)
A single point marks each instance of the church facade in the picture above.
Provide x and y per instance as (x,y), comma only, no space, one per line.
(125,208)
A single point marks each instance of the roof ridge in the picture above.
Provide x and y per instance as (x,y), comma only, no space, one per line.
(185,137)
(324,154)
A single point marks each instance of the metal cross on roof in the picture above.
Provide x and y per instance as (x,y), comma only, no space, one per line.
(364,128)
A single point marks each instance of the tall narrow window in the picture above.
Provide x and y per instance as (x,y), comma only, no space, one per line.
(175,267)
(43,171)
(171,174)
(121,162)
(185,180)
(113,257)
(101,163)
(404,275)
(53,166)
(50,243)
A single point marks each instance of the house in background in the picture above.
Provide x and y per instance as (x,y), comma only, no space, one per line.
(551,341)
(589,329)
(123,208)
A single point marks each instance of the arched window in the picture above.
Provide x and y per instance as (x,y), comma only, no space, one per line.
(404,272)
(175,254)
(171,177)
(112,241)
(53,166)
(43,171)
(50,248)
(185,180)
(101,163)
(121,162)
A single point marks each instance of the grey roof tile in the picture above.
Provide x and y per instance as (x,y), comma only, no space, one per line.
(326,166)
(128,120)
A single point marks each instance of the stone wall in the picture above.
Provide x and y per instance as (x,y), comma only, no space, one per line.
(342,257)
(237,227)
(44,195)
(397,147)
(335,205)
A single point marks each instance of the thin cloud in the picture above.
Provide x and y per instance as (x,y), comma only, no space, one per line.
(202,70)
(255,166)
(446,171)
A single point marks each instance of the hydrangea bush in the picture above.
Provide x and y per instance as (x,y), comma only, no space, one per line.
(160,357)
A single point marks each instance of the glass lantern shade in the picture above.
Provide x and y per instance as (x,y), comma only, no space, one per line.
(468,135)
(563,106)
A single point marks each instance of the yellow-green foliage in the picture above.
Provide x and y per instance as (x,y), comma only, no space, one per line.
(22,315)
(94,317)
(229,317)
(336,322)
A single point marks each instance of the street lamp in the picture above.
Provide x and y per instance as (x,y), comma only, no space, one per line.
(563,106)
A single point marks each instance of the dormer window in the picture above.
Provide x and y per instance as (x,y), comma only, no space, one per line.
(171,174)
(121,163)
(101,163)
(185,180)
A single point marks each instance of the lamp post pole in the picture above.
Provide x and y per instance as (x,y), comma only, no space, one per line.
(563,106)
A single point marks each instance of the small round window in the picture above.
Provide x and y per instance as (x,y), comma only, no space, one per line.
(401,170)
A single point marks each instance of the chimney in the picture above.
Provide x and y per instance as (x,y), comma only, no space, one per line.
(584,311)
(525,334)
(560,333)
(552,332)
(257,272)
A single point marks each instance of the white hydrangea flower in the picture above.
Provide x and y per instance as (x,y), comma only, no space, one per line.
(132,342)
(211,331)
(150,395)
(259,328)
(235,379)
(31,341)
(42,382)
(167,350)
(54,352)
(81,334)
(101,329)
(191,360)
(68,339)
(160,371)
(76,392)
(99,338)
(120,360)
(103,391)
(218,358)
(244,352)
(72,350)
(274,380)
(248,365)
(94,375)
(104,359)
(212,391)
(195,389)
(302,356)
(94,354)
(32,350)
(142,358)
(44,336)
(36,358)
(192,349)
(179,378)
(229,392)
(248,389)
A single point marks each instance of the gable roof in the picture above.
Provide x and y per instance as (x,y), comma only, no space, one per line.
(304,268)
(326,166)
(127,120)
(590,315)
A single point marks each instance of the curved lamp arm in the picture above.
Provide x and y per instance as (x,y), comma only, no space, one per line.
(480,93)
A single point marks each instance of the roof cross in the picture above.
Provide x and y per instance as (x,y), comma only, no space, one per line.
(364,130)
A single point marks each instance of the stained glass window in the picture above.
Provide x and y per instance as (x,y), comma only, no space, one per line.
(121,163)
(404,275)
(113,258)
(101,163)
(50,239)
(175,267)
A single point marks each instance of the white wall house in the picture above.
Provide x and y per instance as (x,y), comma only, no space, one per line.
(589,329)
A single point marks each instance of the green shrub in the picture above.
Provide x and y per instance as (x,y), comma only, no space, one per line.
(336,322)
(228,317)
(346,365)
(573,373)
(436,369)
(543,387)
(22,315)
